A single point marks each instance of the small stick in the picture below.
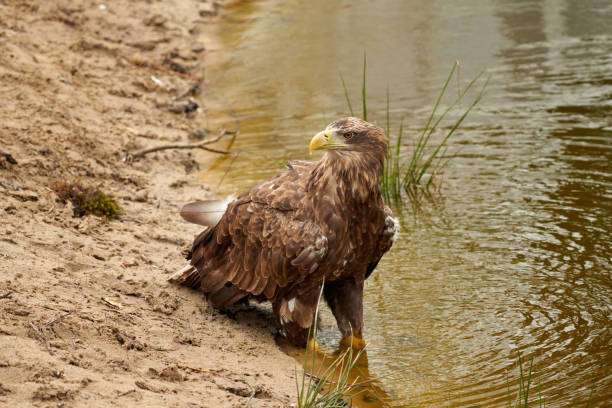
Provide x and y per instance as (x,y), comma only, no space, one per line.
(56,319)
(162,349)
(198,145)
(40,335)
(228,169)
(114,305)
(253,392)
(7,294)
(199,370)
(8,156)
(161,68)
(121,394)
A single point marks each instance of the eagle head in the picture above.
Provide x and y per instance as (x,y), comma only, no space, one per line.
(351,134)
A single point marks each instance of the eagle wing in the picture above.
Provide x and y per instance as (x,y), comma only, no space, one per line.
(385,239)
(262,243)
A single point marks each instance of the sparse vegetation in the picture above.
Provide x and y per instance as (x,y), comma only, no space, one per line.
(326,385)
(87,200)
(524,387)
(416,172)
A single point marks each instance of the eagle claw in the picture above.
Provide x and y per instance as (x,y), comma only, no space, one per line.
(354,342)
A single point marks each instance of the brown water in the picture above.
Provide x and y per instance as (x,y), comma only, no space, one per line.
(517,256)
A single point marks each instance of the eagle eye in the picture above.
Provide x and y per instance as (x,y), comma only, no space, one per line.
(349,135)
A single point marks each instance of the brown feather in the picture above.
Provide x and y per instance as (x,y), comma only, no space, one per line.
(259,288)
(225,296)
(270,290)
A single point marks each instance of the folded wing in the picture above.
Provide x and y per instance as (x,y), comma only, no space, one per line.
(261,243)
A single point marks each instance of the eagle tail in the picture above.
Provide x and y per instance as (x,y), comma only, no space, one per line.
(188,276)
(207,213)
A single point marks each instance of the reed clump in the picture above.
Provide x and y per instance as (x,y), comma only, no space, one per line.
(328,385)
(524,386)
(410,173)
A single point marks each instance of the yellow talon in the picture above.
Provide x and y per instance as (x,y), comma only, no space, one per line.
(356,342)
(313,345)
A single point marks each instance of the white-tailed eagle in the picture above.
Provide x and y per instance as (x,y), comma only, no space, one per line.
(319,222)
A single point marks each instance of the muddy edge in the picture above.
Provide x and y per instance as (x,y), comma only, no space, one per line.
(86,315)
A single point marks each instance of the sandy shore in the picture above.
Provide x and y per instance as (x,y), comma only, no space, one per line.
(86,315)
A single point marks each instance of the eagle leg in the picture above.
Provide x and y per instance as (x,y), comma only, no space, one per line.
(295,315)
(345,299)
(295,334)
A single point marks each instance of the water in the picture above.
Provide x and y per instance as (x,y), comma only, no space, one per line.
(516,256)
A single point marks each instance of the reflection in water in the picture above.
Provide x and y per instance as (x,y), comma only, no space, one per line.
(329,366)
(517,255)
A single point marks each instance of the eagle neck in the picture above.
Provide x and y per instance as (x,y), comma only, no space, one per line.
(345,183)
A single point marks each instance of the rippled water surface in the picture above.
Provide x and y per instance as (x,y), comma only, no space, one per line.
(516,255)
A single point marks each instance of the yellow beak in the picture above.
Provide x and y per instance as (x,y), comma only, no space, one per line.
(327,139)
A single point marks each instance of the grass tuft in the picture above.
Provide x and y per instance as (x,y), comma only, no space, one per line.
(87,200)
(421,169)
(524,386)
(326,385)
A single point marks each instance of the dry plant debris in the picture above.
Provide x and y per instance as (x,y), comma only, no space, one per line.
(87,200)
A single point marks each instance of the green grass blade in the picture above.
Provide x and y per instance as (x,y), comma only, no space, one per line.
(521,382)
(346,95)
(406,176)
(388,115)
(421,142)
(395,175)
(385,178)
(540,400)
(424,139)
(528,381)
(452,130)
(437,168)
(363,89)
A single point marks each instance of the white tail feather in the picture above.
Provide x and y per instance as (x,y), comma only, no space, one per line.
(187,269)
(207,213)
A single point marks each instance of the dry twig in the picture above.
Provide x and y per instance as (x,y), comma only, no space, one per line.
(7,294)
(121,394)
(157,67)
(198,370)
(8,157)
(40,335)
(57,319)
(111,302)
(199,145)
(253,392)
